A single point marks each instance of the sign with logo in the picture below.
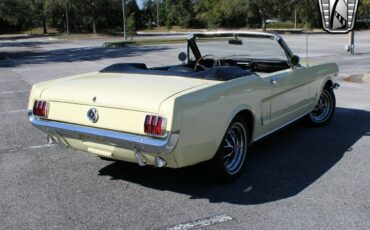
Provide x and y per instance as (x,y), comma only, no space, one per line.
(338,16)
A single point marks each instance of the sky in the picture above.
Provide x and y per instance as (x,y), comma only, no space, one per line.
(140,3)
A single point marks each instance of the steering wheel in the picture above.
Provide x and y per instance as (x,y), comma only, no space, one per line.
(216,62)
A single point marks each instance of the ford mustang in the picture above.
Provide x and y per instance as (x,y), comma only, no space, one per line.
(231,89)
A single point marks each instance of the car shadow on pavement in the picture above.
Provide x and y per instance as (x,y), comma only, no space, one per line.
(278,167)
(77,54)
(25,44)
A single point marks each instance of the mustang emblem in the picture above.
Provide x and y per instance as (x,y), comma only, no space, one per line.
(93,115)
(338,16)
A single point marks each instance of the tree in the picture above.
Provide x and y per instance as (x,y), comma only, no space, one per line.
(228,13)
(148,12)
(39,10)
(209,12)
(309,13)
(364,8)
(93,15)
(265,9)
(179,12)
(16,14)
(134,15)
(235,12)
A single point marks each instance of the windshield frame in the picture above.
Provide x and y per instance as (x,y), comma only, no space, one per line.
(192,45)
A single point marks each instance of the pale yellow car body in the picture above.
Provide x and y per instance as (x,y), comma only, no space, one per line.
(200,111)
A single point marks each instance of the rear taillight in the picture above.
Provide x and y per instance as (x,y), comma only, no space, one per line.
(40,108)
(155,125)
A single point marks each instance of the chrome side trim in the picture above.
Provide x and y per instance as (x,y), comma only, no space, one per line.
(122,140)
(239,32)
(283,126)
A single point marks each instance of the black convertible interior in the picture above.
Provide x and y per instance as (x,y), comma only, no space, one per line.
(224,72)
(208,67)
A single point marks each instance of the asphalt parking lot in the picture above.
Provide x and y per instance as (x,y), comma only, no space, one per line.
(299,178)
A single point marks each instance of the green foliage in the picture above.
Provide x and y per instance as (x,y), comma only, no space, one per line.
(16,14)
(103,15)
(83,14)
(209,12)
(235,12)
(308,12)
(131,25)
(179,12)
(149,13)
(364,9)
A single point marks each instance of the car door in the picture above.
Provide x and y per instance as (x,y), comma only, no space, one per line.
(290,96)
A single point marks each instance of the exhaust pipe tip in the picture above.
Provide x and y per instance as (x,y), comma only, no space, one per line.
(139,157)
(50,140)
(160,162)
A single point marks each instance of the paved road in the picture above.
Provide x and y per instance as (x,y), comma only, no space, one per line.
(306,178)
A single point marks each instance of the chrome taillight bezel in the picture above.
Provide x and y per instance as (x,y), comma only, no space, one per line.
(151,121)
(40,109)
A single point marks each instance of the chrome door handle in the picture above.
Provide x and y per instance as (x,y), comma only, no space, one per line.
(274,82)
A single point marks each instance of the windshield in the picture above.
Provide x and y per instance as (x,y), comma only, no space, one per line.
(241,48)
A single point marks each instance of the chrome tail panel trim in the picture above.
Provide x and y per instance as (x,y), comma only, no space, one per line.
(122,140)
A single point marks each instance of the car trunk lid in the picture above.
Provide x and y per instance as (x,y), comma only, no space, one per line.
(120,91)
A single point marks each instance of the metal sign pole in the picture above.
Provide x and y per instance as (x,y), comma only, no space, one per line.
(124,20)
(157,13)
(67,17)
(351,42)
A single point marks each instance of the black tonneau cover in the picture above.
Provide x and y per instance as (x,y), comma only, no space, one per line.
(220,73)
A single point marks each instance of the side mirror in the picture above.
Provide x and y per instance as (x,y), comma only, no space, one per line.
(295,60)
(182,56)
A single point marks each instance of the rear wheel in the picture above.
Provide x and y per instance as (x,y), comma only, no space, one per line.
(229,160)
(324,109)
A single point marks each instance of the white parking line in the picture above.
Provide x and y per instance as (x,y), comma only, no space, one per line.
(202,223)
(15,111)
(40,146)
(11,92)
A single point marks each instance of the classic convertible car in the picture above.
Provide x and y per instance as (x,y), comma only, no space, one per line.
(232,89)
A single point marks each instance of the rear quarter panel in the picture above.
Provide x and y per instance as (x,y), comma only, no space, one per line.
(202,117)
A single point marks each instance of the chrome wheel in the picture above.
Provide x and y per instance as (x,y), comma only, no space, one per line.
(234,148)
(323,109)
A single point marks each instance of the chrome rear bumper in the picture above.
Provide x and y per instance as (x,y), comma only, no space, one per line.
(137,143)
